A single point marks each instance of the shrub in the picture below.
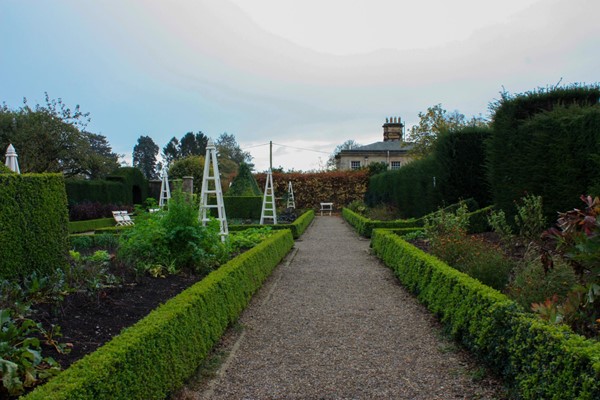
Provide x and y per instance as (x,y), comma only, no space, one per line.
(87,210)
(244,183)
(33,224)
(541,361)
(173,240)
(534,283)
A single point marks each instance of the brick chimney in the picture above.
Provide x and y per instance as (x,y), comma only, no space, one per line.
(393,129)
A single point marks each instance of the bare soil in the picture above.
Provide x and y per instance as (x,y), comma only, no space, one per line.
(89,321)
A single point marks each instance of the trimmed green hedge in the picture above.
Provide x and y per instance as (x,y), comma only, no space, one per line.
(90,225)
(33,224)
(297,227)
(541,361)
(102,191)
(245,207)
(156,355)
(364,226)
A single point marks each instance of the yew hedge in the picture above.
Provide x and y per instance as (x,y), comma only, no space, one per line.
(156,355)
(541,361)
(33,224)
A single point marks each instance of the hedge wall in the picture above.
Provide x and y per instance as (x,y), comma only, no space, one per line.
(310,189)
(33,224)
(455,170)
(545,143)
(156,355)
(245,207)
(542,361)
(125,185)
(101,191)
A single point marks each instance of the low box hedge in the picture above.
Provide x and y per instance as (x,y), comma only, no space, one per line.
(90,225)
(297,227)
(156,355)
(540,360)
(364,226)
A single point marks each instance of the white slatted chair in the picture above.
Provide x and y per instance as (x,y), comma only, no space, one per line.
(118,218)
(127,218)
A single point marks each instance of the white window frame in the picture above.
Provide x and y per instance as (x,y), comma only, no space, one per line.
(354,165)
(395,165)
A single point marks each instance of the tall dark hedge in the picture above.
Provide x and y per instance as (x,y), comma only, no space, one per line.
(411,188)
(544,143)
(458,165)
(461,165)
(100,190)
(125,185)
(33,224)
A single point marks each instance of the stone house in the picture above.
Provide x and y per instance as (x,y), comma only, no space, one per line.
(393,150)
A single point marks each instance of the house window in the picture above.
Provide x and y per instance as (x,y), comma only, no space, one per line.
(396,165)
(354,164)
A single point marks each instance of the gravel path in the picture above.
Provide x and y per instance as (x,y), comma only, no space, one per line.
(333,323)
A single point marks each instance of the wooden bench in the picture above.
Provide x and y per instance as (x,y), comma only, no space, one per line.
(326,207)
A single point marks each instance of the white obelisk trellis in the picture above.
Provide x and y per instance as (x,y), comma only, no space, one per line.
(211,185)
(165,190)
(291,203)
(11,159)
(268,207)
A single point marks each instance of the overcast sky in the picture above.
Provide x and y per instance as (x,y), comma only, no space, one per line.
(308,74)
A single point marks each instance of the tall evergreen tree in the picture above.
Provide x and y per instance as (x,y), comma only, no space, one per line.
(144,156)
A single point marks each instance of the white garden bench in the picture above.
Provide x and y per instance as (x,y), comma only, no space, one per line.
(122,218)
(326,207)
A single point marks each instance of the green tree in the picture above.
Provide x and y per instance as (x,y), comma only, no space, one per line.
(188,166)
(435,122)
(347,145)
(244,183)
(144,156)
(229,149)
(193,144)
(52,138)
(171,151)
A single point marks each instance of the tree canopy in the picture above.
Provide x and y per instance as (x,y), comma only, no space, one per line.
(347,145)
(53,138)
(435,122)
(191,144)
(144,157)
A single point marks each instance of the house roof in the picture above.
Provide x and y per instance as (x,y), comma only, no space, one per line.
(390,145)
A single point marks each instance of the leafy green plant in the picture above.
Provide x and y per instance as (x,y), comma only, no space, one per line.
(419,234)
(498,223)
(576,238)
(90,273)
(21,362)
(530,218)
(174,240)
(533,283)
(248,238)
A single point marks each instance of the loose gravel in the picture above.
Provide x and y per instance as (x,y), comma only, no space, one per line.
(333,323)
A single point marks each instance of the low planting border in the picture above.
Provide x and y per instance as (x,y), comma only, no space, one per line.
(90,225)
(156,355)
(297,227)
(365,226)
(540,360)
